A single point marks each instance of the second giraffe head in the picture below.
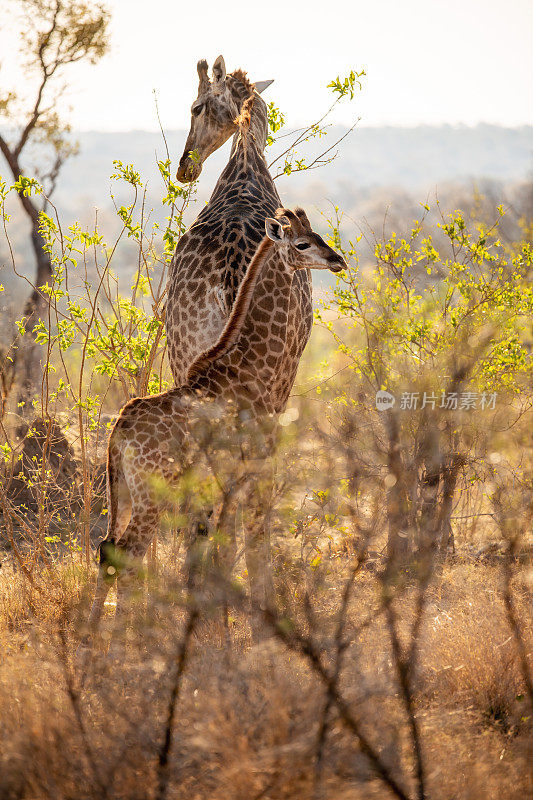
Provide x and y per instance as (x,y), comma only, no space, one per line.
(302,248)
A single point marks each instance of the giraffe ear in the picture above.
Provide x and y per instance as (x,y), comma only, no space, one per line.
(260,86)
(219,70)
(204,84)
(274,229)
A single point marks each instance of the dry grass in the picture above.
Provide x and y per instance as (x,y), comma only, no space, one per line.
(247,720)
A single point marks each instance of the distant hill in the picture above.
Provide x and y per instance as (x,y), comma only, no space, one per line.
(414,159)
(378,171)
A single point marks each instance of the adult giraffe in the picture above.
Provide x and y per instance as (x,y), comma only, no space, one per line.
(211,258)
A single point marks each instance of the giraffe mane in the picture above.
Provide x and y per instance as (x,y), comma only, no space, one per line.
(234,325)
(241,76)
(245,117)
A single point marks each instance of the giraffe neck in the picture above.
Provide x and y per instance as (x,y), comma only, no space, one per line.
(241,306)
(246,171)
(267,318)
(248,368)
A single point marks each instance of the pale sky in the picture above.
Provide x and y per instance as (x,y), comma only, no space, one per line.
(427,61)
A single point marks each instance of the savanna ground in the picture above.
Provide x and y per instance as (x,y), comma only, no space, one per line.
(255,721)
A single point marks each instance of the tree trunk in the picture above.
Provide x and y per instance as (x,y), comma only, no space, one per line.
(24,350)
(450,475)
(431,463)
(29,367)
(398,544)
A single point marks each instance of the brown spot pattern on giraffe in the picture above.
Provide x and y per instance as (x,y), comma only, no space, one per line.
(214,254)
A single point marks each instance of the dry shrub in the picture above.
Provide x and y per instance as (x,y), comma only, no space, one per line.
(41,439)
(246,726)
(248,718)
(471,657)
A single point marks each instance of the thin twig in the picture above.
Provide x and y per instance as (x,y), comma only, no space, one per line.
(341,645)
(180,663)
(74,697)
(514,624)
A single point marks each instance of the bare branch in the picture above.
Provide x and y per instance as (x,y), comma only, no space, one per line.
(180,663)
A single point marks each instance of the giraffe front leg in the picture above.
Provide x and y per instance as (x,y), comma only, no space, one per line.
(227,541)
(259,568)
(132,547)
(107,573)
(84,649)
(258,556)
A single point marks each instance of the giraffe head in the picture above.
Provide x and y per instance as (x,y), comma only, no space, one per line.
(214,114)
(300,246)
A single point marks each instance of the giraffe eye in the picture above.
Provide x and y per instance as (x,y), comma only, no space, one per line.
(303,246)
(197,110)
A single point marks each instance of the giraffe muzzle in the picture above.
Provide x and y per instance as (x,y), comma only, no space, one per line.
(188,170)
(337,266)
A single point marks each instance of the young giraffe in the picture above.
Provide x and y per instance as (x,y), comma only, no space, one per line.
(157,436)
(211,258)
